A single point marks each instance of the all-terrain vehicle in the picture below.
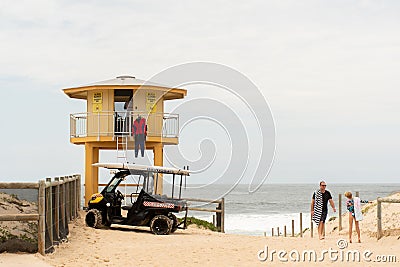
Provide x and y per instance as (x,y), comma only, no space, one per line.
(146,209)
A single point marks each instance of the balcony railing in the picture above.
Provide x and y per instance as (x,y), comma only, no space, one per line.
(120,123)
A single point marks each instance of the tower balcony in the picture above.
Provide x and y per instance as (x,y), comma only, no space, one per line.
(106,126)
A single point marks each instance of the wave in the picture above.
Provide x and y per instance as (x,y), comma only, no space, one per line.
(257,225)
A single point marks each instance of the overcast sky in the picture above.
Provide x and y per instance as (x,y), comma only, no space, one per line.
(328,69)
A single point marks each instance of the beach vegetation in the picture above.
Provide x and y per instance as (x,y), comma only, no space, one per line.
(29,235)
(200,223)
(368,207)
(28,238)
(5,235)
(14,196)
(30,231)
(305,230)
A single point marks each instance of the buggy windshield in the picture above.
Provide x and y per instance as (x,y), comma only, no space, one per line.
(113,184)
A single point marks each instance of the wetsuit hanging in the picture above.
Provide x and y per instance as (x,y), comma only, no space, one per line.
(140,132)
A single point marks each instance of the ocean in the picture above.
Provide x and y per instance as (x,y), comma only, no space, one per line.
(273,205)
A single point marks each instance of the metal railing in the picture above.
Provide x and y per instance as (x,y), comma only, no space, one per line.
(121,123)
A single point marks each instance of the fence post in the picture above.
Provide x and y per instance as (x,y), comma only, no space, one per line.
(292,228)
(357,194)
(379,218)
(272,232)
(72,198)
(66,190)
(340,212)
(218,214)
(301,224)
(223,215)
(277,229)
(72,191)
(79,193)
(42,218)
(284,231)
(57,209)
(69,199)
(76,196)
(62,205)
(49,210)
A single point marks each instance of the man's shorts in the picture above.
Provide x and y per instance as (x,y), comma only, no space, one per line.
(323,216)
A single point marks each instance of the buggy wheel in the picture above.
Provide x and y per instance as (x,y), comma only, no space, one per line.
(174,222)
(94,218)
(161,225)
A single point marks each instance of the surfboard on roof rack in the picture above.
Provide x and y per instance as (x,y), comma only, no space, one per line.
(136,167)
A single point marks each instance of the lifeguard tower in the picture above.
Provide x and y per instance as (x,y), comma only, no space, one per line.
(115,110)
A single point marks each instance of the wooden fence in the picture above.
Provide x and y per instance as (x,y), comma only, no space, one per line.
(292,233)
(219,211)
(58,204)
(379,232)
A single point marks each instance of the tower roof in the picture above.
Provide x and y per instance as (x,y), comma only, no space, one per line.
(125,82)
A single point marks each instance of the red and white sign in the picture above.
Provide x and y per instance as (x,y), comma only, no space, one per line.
(158,205)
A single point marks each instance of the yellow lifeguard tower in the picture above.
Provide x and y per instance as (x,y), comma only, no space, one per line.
(108,123)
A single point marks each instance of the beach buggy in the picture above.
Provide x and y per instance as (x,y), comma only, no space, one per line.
(145,209)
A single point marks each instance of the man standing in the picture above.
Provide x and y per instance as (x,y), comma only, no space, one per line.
(319,207)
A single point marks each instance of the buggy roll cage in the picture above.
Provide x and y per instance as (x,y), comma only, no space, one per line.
(126,169)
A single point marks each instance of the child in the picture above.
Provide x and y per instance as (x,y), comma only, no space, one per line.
(354,208)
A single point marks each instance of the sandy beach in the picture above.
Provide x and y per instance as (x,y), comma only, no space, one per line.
(195,247)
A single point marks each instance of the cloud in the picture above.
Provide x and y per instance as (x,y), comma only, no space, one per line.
(321,65)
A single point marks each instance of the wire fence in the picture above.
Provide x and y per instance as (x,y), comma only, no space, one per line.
(58,203)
